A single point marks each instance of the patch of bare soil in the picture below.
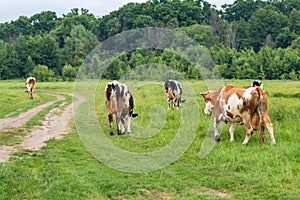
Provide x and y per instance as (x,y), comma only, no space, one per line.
(210,191)
(54,126)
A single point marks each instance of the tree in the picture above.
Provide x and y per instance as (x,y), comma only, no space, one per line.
(242,9)
(42,73)
(285,38)
(202,34)
(44,50)
(143,21)
(9,63)
(43,22)
(73,18)
(78,45)
(265,22)
(294,21)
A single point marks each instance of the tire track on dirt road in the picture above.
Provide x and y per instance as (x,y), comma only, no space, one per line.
(54,126)
(20,120)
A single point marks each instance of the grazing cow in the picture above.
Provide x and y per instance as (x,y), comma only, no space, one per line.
(119,102)
(239,106)
(173,93)
(30,84)
(258,83)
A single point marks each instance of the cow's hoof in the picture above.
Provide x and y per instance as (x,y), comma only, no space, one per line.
(121,133)
(111,133)
(217,138)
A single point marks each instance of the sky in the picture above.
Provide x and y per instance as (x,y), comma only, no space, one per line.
(12,9)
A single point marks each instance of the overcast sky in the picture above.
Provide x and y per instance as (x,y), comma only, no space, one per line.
(12,9)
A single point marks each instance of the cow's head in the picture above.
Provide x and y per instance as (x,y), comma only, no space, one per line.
(258,83)
(208,104)
(170,94)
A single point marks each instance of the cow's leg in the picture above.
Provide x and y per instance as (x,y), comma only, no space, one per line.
(216,133)
(175,104)
(262,132)
(247,123)
(231,130)
(269,125)
(120,124)
(127,124)
(178,104)
(111,120)
(168,103)
(30,92)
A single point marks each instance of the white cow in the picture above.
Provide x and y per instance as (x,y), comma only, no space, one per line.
(30,85)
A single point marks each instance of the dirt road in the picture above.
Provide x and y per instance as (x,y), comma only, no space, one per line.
(54,126)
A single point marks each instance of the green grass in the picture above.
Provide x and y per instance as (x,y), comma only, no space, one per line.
(13,99)
(64,168)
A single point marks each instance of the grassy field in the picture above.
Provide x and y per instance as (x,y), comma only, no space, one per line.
(64,169)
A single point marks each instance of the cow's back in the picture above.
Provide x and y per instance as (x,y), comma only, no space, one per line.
(118,97)
(233,101)
(173,89)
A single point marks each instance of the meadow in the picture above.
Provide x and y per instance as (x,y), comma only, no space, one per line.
(64,169)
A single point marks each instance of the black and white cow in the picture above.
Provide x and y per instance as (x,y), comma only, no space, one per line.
(119,102)
(173,91)
(258,83)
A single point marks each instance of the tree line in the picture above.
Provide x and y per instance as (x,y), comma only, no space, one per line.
(247,39)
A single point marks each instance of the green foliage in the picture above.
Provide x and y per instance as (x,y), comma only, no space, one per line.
(68,73)
(42,73)
(237,29)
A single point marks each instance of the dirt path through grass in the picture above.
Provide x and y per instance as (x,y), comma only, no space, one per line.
(54,126)
(20,120)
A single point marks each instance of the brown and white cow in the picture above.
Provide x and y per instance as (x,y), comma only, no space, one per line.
(173,91)
(119,102)
(30,85)
(236,105)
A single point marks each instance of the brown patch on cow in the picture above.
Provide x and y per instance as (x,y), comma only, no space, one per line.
(229,114)
(229,90)
(206,96)
(228,87)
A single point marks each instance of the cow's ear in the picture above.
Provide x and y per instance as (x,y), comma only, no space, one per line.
(134,115)
(204,94)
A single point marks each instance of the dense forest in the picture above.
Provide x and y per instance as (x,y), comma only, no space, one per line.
(247,39)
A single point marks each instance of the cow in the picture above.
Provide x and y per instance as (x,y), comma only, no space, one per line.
(173,91)
(234,105)
(258,83)
(30,85)
(119,102)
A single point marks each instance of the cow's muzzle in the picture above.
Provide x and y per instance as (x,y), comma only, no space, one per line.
(208,113)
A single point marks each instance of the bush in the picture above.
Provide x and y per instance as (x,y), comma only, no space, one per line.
(68,73)
(42,73)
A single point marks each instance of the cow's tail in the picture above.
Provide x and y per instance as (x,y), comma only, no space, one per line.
(131,105)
